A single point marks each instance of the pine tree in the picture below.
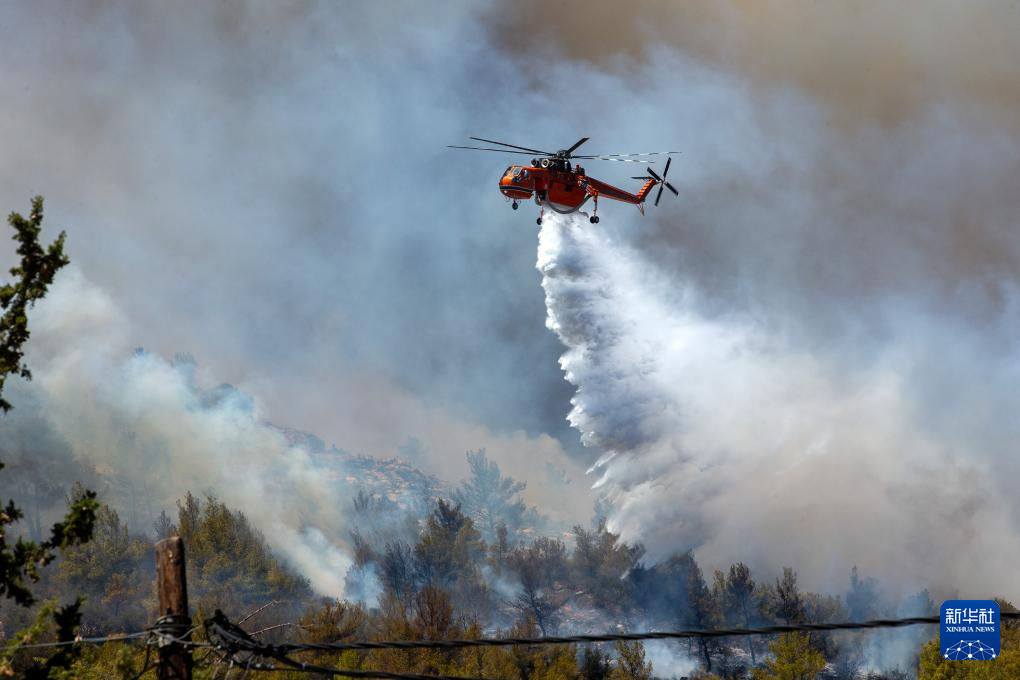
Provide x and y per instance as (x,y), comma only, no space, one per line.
(739,600)
(20,562)
(489,498)
(702,611)
(862,598)
(630,662)
(538,566)
(788,604)
(793,659)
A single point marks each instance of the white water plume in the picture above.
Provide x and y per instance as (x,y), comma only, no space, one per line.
(716,434)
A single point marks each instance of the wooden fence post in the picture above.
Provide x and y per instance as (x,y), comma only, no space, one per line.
(174,658)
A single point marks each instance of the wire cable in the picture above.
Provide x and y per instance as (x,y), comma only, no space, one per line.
(86,641)
(232,639)
(613,637)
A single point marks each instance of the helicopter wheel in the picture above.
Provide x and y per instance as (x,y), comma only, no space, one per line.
(594,219)
(539,221)
(514,205)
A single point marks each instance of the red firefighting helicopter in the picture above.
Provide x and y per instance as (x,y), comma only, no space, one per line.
(554,183)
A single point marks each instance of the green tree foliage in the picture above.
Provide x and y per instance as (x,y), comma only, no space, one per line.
(539,566)
(33,276)
(33,666)
(273,603)
(397,569)
(630,662)
(595,664)
(738,601)
(500,550)
(448,546)
(490,499)
(787,604)
(114,573)
(20,562)
(230,567)
(862,598)
(332,621)
(381,539)
(448,556)
(600,564)
(793,658)
(702,612)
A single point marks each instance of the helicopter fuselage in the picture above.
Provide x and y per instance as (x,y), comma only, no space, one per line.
(561,187)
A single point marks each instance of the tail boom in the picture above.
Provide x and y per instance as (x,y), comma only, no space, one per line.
(609,191)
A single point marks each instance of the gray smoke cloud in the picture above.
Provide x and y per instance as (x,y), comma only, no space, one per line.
(266,187)
(157,428)
(869,63)
(139,419)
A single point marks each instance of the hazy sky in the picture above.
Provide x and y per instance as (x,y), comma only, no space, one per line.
(266,186)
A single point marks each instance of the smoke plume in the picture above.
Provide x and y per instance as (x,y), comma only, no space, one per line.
(148,423)
(152,429)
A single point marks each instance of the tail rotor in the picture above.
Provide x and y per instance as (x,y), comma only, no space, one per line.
(661,181)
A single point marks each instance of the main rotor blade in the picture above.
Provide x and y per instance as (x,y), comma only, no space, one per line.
(512,146)
(618,160)
(621,155)
(478,148)
(579,143)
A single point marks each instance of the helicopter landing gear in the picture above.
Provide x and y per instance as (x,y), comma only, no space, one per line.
(594,219)
(514,205)
(540,216)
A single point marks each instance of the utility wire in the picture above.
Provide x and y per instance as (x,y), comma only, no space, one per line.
(87,641)
(613,637)
(154,633)
(227,637)
(232,639)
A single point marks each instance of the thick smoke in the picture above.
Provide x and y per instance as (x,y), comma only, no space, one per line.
(148,423)
(721,437)
(266,186)
(257,184)
(871,62)
(152,429)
